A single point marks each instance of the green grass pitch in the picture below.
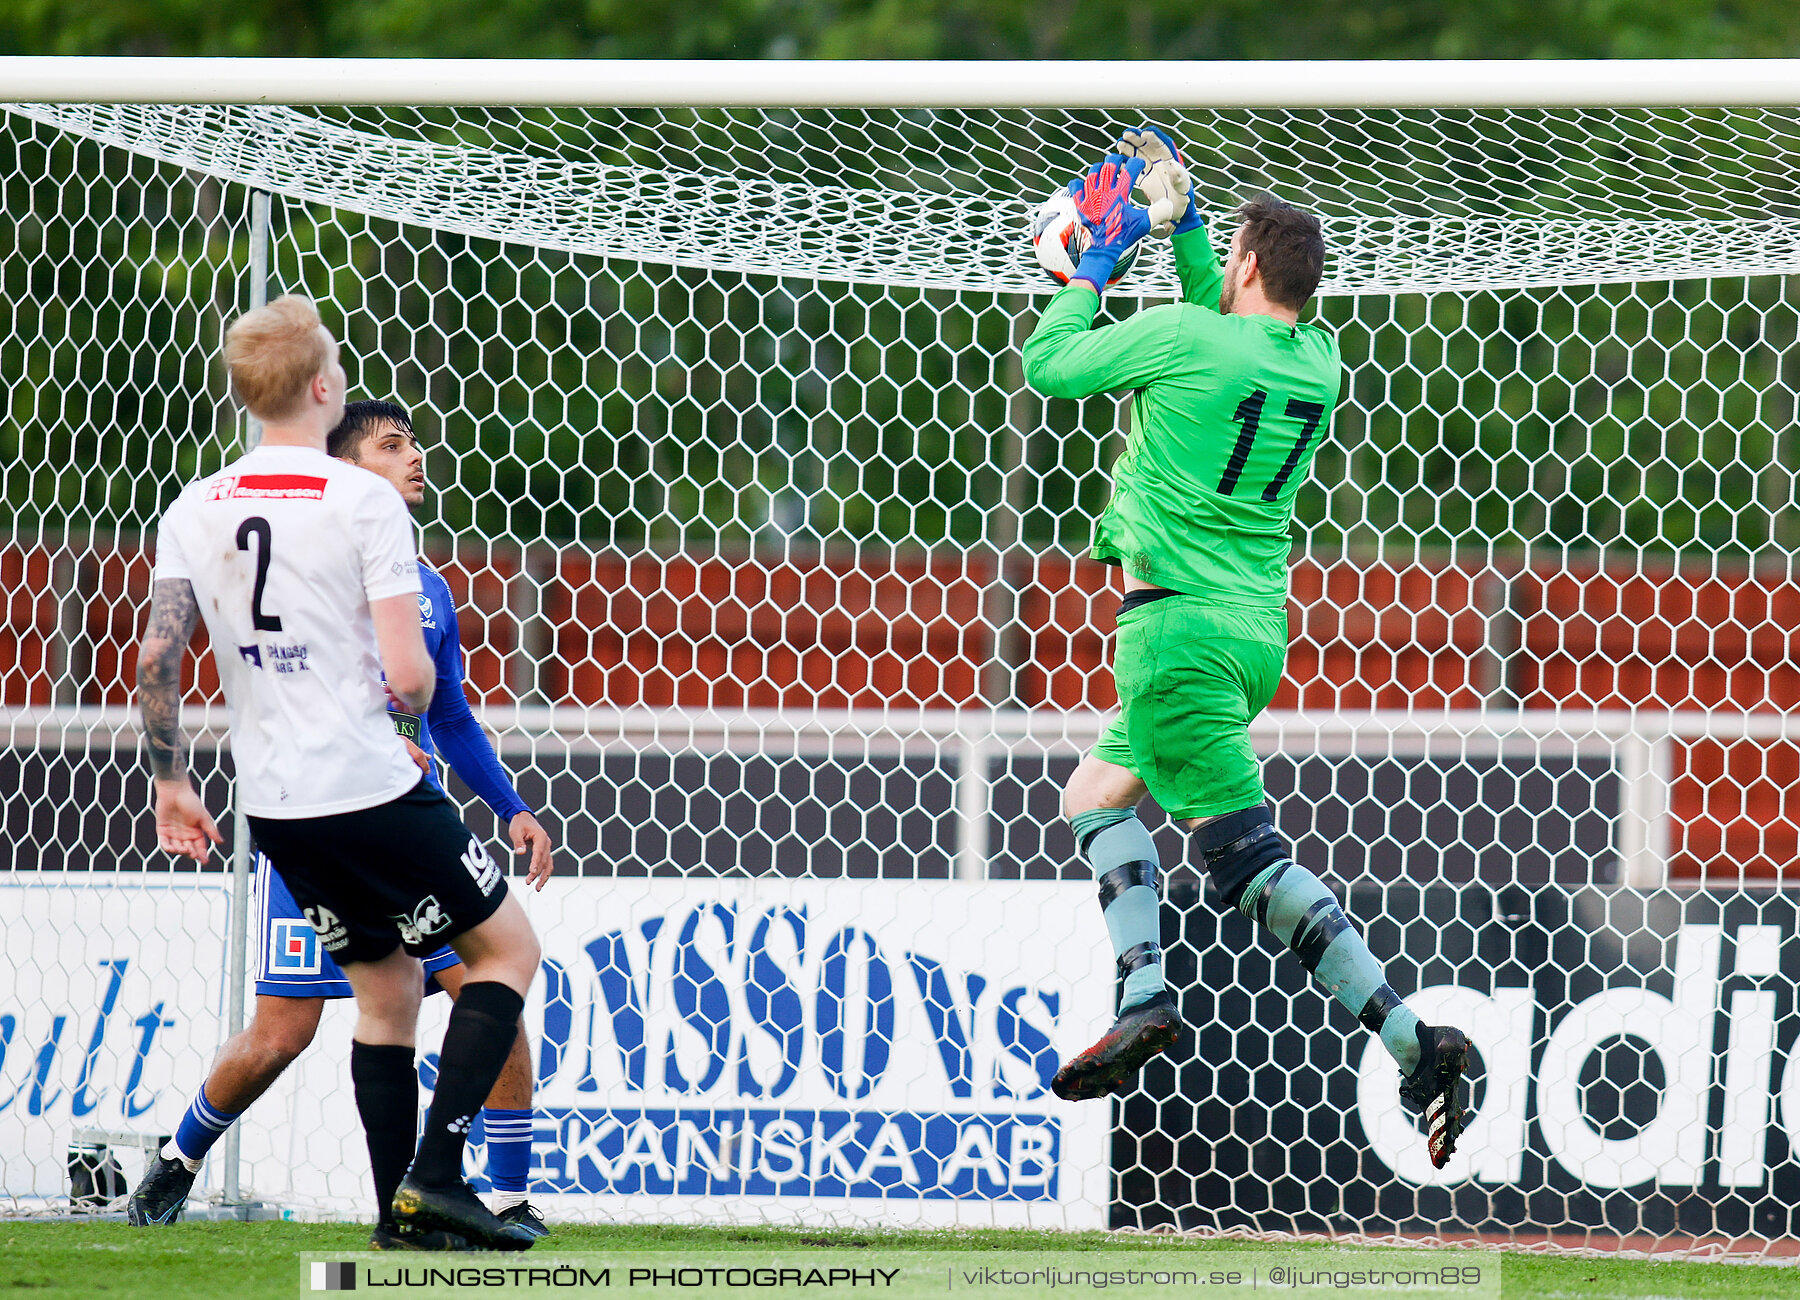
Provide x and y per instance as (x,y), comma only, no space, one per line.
(200,1261)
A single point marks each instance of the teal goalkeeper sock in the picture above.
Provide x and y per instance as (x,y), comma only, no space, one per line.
(1298,909)
(1111,838)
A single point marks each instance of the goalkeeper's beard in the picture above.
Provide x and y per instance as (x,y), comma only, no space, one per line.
(1227,298)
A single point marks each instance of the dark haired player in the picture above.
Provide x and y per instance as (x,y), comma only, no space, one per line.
(295,976)
(306,571)
(1231,396)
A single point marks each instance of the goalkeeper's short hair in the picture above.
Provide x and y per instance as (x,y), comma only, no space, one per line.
(360,420)
(1289,246)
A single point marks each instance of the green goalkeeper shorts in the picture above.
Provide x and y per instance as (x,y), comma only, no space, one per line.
(1191,674)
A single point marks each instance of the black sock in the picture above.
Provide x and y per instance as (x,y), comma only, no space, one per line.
(480,1034)
(387,1098)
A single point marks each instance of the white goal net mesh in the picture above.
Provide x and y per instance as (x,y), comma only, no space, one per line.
(771,579)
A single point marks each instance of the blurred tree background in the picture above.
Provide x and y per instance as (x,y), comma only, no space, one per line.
(909,29)
(616,406)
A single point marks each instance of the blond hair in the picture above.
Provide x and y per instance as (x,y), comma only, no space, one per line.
(273,353)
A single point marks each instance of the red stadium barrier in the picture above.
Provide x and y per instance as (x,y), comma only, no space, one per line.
(1664,638)
(478,582)
(1682,640)
(725,633)
(914,631)
(31,619)
(1736,810)
(1382,637)
(1065,612)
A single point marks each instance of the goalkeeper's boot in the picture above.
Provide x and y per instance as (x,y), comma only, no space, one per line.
(523,1216)
(1149,1028)
(389,1237)
(159,1198)
(1434,1089)
(456,1209)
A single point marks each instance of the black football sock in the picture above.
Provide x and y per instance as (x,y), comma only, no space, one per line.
(387,1098)
(476,1043)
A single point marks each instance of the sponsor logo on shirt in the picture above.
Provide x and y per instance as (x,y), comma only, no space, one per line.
(287,658)
(277,487)
(282,658)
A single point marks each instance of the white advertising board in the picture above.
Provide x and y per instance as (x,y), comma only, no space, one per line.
(111,1000)
(872,1052)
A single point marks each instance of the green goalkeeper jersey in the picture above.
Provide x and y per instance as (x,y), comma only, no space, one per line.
(1226,416)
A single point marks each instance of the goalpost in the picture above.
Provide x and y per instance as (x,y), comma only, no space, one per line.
(772,582)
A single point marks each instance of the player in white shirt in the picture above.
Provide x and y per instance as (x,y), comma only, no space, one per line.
(295,976)
(305,570)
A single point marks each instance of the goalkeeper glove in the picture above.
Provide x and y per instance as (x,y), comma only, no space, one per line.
(1166,182)
(1114,223)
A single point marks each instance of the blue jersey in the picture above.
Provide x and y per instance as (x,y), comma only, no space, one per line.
(448,727)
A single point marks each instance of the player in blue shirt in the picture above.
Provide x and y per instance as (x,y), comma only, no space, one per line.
(295,975)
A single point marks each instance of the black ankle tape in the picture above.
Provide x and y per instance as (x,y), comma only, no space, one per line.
(1225,834)
(1129,876)
(1382,1003)
(1318,929)
(1237,848)
(1257,909)
(1145,954)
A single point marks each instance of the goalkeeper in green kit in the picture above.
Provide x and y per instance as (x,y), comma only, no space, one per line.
(1230,399)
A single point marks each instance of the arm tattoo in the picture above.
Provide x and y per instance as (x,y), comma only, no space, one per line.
(172,617)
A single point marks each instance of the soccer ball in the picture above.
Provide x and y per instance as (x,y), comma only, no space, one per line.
(1060,239)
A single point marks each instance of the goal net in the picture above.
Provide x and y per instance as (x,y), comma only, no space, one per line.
(771,576)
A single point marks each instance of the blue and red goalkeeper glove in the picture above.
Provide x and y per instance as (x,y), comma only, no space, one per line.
(1114,223)
(1165,182)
